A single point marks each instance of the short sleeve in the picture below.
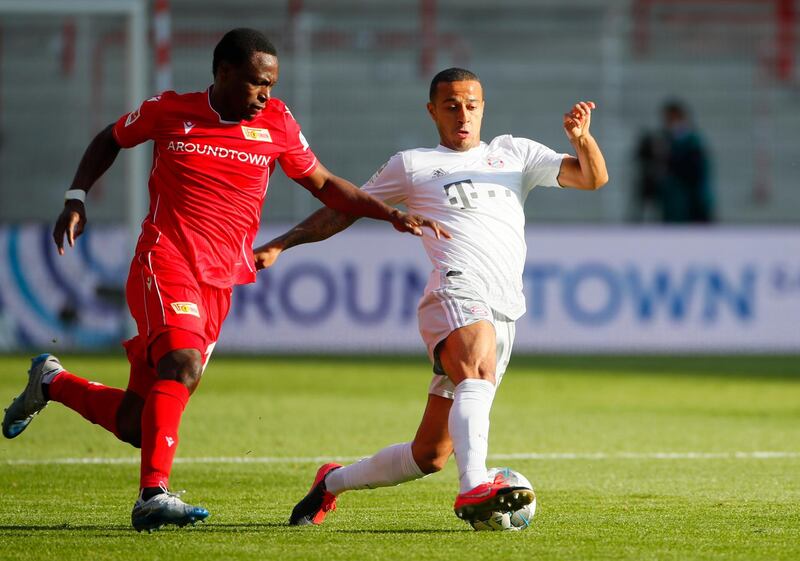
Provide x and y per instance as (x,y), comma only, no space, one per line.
(138,126)
(297,160)
(390,182)
(541,164)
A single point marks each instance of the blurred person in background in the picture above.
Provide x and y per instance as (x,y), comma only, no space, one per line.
(673,175)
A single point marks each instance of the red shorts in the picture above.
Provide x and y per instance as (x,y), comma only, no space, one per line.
(172,311)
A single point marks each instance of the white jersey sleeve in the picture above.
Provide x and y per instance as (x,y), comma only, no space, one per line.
(390,183)
(541,164)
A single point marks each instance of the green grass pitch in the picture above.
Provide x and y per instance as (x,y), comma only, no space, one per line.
(631,458)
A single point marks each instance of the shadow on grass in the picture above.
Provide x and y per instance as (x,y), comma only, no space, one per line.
(400,531)
(126,528)
(284,525)
(25,529)
(11,529)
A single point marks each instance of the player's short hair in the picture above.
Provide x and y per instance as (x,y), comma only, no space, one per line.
(451,75)
(237,46)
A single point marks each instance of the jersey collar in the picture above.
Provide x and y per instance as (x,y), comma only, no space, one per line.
(221,120)
(442,148)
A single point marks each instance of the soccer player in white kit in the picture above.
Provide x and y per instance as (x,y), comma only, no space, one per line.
(476,191)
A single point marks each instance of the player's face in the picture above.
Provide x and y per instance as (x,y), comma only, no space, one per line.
(457,110)
(246,89)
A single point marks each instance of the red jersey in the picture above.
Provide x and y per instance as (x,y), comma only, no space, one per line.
(210,177)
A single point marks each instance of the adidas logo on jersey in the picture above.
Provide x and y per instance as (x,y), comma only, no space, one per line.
(438,172)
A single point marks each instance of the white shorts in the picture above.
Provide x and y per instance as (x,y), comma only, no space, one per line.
(441,312)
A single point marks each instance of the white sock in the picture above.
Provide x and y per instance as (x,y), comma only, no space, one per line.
(391,466)
(469,429)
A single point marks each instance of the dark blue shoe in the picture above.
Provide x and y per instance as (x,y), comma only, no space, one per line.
(163,509)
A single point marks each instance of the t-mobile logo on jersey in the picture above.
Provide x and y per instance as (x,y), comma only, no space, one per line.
(462,194)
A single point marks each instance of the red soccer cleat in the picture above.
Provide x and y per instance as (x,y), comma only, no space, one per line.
(488,497)
(317,503)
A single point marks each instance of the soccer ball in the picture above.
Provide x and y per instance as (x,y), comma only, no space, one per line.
(498,521)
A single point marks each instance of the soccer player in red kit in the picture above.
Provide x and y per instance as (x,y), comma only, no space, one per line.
(213,154)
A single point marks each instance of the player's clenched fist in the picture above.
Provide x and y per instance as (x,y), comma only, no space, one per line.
(577,121)
(71,222)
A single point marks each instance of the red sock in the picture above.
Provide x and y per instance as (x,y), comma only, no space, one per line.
(160,419)
(96,402)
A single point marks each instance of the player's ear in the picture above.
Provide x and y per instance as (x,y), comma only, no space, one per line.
(430,110)
(223,70)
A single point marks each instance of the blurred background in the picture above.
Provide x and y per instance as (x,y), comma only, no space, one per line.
(693,245)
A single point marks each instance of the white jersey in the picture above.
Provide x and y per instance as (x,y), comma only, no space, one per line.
(478,195)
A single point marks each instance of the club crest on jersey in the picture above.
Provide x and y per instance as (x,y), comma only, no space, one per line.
(496,163)
(185,308)
(259,135)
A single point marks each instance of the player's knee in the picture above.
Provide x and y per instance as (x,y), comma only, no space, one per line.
(478,372)
(129,419)
(184,366)
(130,430)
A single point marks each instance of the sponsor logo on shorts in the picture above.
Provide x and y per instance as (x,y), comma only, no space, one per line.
(477,310)
(187,308)
(259,135)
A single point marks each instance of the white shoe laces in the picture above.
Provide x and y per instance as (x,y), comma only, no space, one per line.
(172,495)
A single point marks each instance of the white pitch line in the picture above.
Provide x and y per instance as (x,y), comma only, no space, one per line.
(554,456)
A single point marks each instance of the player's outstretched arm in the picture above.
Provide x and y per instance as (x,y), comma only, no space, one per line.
(339,194)
(321,225)
(587,171)
(98,157)
(345,203)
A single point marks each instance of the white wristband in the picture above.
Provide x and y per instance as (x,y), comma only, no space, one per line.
(75,195)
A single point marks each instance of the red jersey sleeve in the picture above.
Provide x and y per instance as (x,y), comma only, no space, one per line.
(298,160)
(137,126)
